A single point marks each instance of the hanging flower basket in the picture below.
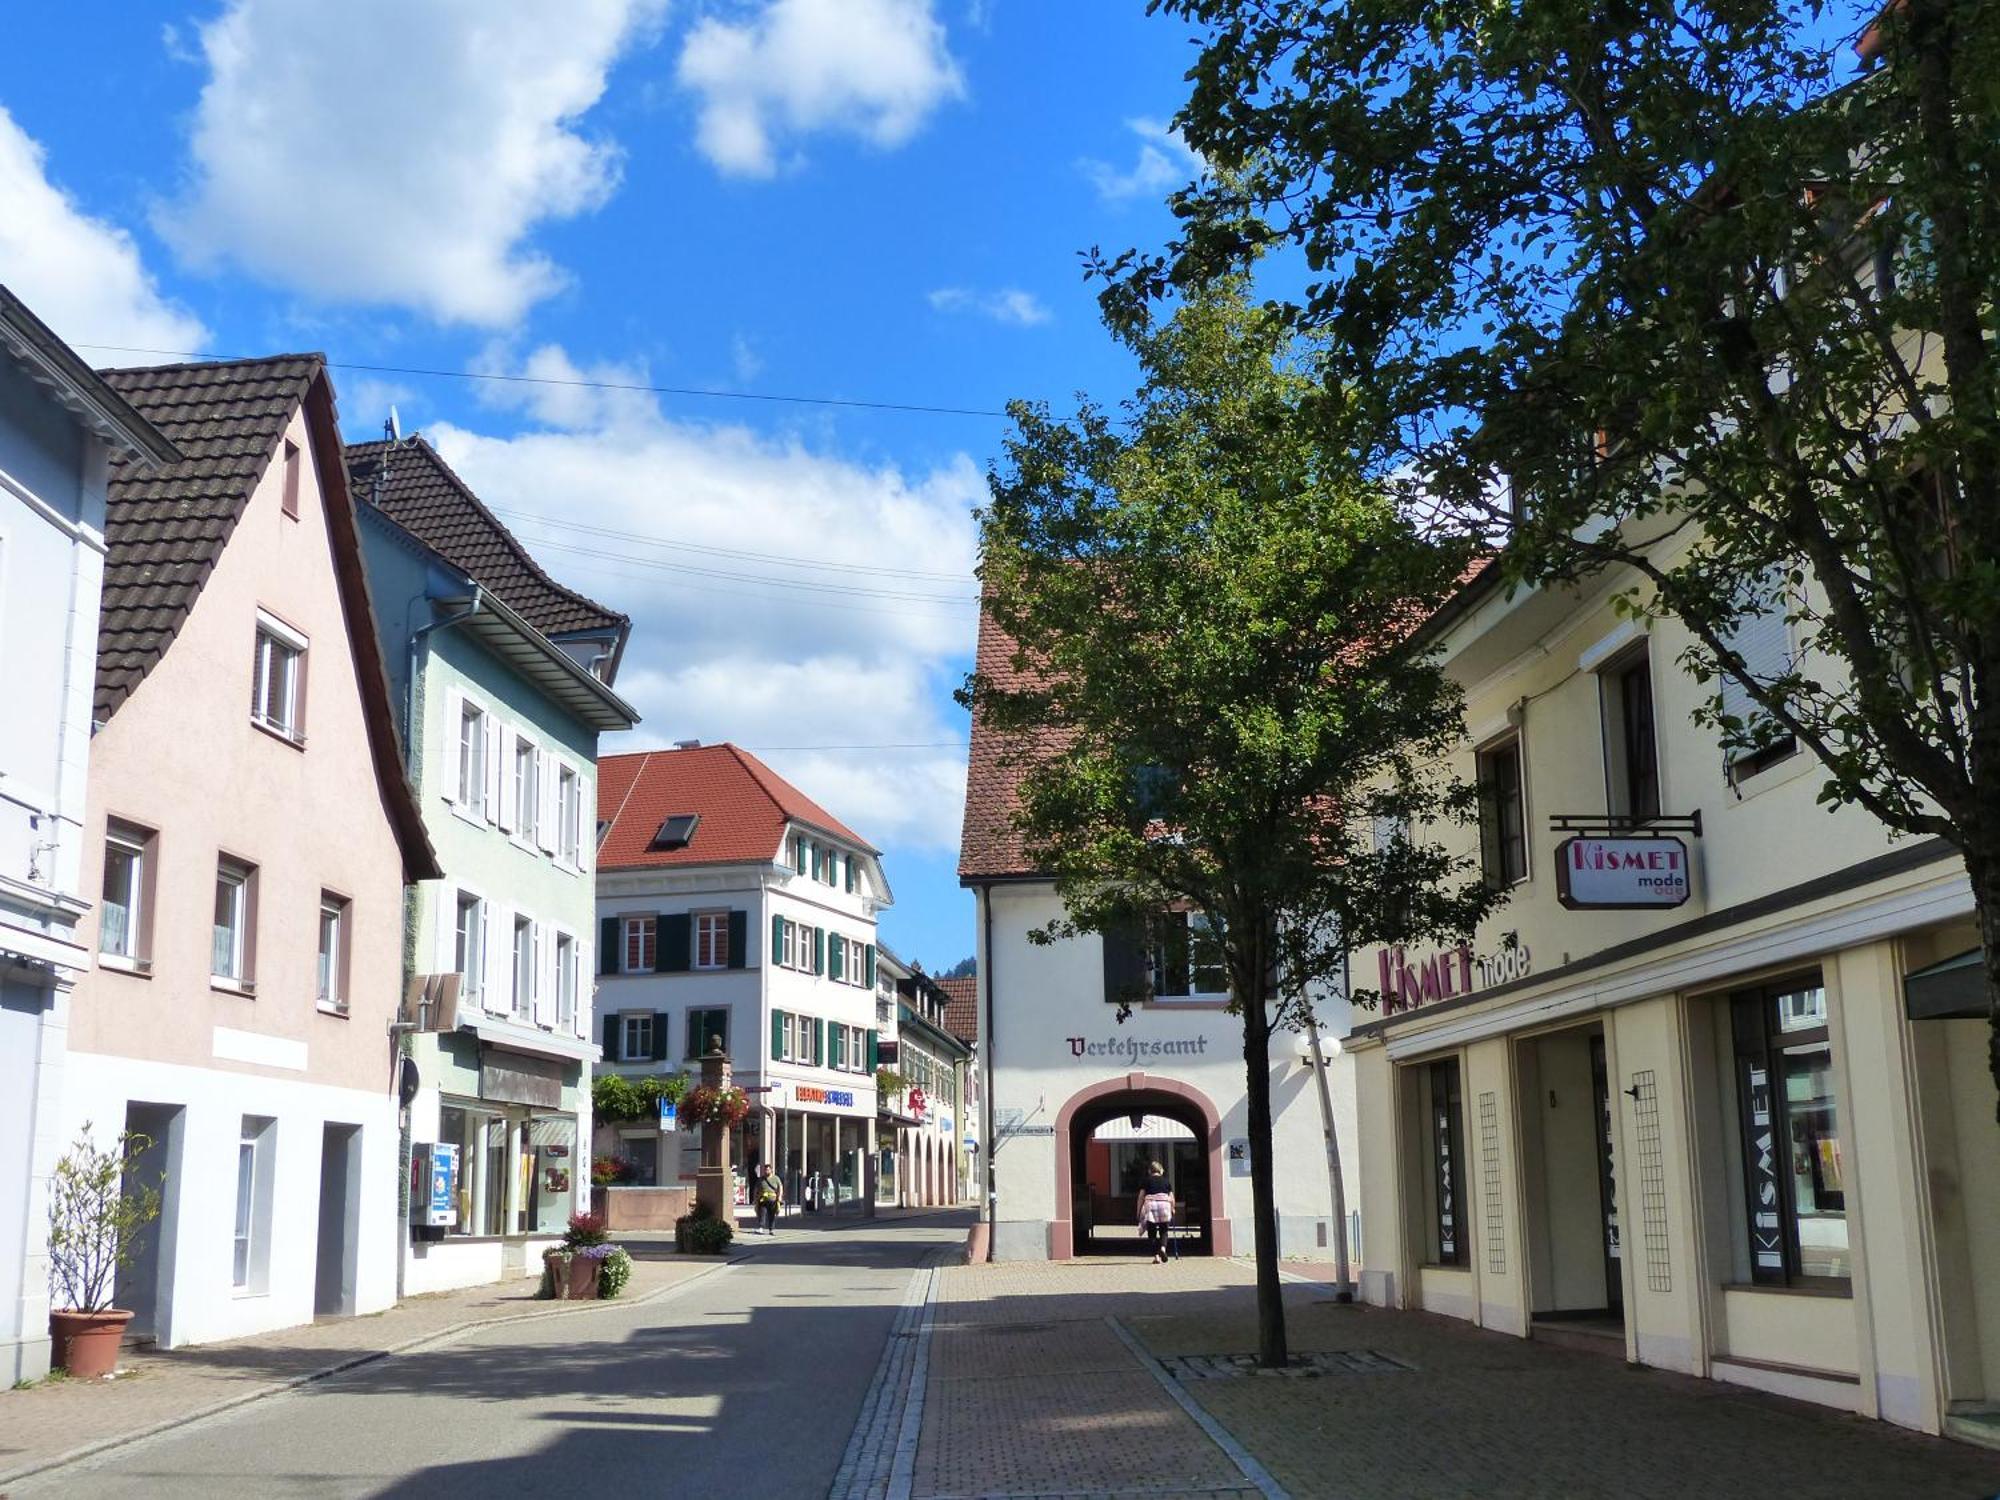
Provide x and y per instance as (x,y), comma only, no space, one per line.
(703,1105)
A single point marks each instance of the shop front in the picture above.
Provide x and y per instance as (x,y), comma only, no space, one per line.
(497,1163)
(819,1137)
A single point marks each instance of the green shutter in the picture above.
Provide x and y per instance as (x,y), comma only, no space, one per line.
(777,1036)
(674,955)
(777,943)
(868,966)
(836,959)
(819,950)
(819,1044)
(739,939)
(874,1050)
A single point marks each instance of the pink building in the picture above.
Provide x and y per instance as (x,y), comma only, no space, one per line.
(250,833)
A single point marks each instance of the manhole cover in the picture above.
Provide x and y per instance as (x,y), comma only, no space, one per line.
(1186,1367)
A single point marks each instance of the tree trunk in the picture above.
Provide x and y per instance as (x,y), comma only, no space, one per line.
(1271,1348)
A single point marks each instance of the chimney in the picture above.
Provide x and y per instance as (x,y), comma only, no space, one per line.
(687,744)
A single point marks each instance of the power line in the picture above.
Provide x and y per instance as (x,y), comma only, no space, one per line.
(907,611)
(588,385)
(764,581)
(790,561)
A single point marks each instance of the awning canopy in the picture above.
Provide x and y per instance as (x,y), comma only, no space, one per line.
(1951,990)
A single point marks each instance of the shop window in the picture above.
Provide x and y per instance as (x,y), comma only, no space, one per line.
(1443,1136)
(1794,1162)
(546,1147)
(124,924)
(704,1025)
(1631,755)
(1503,838)
(641,939)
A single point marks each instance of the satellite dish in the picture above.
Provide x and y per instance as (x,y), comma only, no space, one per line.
(394,426)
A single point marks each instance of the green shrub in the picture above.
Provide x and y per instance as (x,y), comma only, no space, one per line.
(702,1233)
(617,1271)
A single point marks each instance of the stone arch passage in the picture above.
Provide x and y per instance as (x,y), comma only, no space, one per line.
(1137,1093)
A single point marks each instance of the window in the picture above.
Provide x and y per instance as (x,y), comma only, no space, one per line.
(711,940)
(1631,755)
(524,968)
(232,948)
(251,1254)
(527,792)
(853,875)
(332,952)
(288,498)
(123,919)
(641,939)
(1503,841)
(569,804)
(703,1026)
(1444,1138)
(1794,1165)
(840,1048)
(1187,959)
(565,982)
(1763,638)
(279,676)
(472,759)
(636,1038)
(469,954)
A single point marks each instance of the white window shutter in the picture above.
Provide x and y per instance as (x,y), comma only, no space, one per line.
(503,736)
(447,760)
(545,992)
(584,960)
(549,826)
(499,958)
(1765,644)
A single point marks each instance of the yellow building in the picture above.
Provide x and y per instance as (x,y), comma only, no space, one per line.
(1709,1089)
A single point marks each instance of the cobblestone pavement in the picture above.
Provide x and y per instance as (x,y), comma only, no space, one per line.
(153,1389)
(1030,1395)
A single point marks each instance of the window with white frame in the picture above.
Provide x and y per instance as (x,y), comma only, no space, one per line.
(641,938)
(333,944)
(469,954)
(472,758)
(122,917)
(711,940)
(230,947)
(569,804)
(840,1048)
(565,982)
(523,995)
(527,791)
(278,676)
(1187,960)
(636,1037)
(250,1256)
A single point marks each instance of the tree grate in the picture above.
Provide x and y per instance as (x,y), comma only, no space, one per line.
(1187,1367)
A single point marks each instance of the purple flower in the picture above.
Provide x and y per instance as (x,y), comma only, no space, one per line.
(596,1252)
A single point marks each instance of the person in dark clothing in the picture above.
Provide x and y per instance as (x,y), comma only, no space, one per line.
(767,1193)
(1156,1210)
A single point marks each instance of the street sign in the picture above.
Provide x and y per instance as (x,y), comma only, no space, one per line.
(669,1115)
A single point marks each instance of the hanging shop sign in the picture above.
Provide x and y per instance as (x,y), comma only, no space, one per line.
(917,1101)
(1407,983)
(1621,874)
(807,1093)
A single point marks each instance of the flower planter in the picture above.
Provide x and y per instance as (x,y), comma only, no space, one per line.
(86,1343)
(571,1278)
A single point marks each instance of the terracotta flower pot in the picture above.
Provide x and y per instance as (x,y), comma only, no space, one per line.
(86,1343)
(571,1277)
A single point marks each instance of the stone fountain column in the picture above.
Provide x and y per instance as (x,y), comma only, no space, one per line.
(714,1183)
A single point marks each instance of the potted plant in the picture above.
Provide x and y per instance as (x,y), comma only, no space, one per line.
(93,1219)
(571,1270)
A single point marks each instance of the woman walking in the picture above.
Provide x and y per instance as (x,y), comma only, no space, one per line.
(1156,1210)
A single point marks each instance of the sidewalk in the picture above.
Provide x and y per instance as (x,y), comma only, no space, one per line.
(60,1420)
(1032,1391)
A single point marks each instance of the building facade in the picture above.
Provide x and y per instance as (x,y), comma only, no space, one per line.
(1064,1077)
(249,836)
(1709,1090)
(60,428)
(732,906)
(923,1126)
(502,678)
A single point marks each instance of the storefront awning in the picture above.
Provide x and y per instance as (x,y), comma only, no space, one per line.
(1953,990)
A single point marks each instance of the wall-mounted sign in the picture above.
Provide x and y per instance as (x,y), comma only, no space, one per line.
(1133,1048)
(807,1093)
(1239,1158)
(670,1115)
(1598,874)
(1407,983)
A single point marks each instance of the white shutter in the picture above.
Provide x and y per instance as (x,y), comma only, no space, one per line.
(548,827)
(447,759)
(583,961)
(503,735)
(545,992)
(1764,641)
(499,958)
(495,781)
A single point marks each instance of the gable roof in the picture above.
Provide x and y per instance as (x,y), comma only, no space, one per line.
(961,1011)
(165,530)
(990,846)
(409,481)
(52,364)
(743,804)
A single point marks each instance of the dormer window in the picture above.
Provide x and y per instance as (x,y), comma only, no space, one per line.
(676,833)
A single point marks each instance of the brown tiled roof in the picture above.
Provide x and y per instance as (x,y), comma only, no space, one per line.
(165,527)
(961,1011)
(989,845)
(417,489)
(744,807)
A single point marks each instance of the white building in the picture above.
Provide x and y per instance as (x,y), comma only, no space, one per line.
(60,427)
(920,1155)
(731,905)
(1072,1092)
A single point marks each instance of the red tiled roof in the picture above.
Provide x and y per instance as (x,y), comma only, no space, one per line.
(961,1011)
(989,844)
(744,807)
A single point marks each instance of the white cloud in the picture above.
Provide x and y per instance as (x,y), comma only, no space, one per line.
(80,275)
(1164,163)
(386,153)
(1007,305)
(870,68)
(719,651)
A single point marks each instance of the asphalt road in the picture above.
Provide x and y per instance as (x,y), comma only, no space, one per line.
(746,1381)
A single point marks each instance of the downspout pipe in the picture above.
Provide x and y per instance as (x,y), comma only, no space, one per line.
(986,1046)
(400,1030)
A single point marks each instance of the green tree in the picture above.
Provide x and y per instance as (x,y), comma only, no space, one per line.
(1712,289)
(1209,612)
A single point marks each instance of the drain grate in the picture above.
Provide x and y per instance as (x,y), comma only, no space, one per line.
(1186,1367)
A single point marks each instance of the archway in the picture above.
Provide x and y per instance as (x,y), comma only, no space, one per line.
(1136,1094)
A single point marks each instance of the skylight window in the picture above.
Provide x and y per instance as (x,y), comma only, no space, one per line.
(676,833)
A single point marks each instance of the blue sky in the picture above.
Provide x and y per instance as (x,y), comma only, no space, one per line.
(863,199)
